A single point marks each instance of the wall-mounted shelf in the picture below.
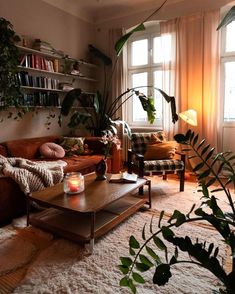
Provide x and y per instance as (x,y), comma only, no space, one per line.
(59,74)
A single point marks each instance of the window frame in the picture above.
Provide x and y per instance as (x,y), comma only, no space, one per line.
(224,58)
(149,68)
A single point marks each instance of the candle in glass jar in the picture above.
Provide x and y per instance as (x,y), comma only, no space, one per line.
(73,183)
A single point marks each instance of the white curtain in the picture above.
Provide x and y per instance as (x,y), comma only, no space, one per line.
(194,71)
(119,79)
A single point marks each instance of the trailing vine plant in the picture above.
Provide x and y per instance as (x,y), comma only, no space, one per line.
(145,256)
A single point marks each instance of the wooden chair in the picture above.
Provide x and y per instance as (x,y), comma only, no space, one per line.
(136,161)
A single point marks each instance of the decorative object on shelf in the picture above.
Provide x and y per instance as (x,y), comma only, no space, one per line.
(100,170)
(74,183)
(103,115)
(190,116)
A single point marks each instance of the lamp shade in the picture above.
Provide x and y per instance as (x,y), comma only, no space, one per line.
(190,116)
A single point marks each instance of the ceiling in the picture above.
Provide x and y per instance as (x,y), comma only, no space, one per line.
(97,11)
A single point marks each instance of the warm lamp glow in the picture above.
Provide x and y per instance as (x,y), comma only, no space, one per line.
(190,116)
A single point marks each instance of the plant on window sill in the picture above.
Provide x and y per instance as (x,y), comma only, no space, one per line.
(102,116)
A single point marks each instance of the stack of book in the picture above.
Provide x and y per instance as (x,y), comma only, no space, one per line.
(43,46)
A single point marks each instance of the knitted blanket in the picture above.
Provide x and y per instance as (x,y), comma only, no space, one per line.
(32,176)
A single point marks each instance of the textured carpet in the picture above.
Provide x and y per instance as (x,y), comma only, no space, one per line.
(59,266)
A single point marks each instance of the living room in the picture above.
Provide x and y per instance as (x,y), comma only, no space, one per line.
(198,82)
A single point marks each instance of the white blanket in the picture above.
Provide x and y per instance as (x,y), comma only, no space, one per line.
(32,176)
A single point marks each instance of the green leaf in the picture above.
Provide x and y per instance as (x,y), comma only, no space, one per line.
(100,55)
(145,260)
(211,182)
(204,150)
(124,269)
(132,286)
(122,41)
(127,261)
(198,166)
(162,274)
(143,232)
(153,254)
(190,211)
(142,267)
(158,242)
(151,225)
(131,251)
(210,154)
(195,140)
(138,278)
(124,282)
(180,138)
(160,218)
(228,18)
(204,174)
(133,243)
(200,144)
(217,190)
(68,101)
(173,260)
(167,233)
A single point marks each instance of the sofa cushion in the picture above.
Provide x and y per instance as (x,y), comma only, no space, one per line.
(51,150)
(73,145)
(28,148)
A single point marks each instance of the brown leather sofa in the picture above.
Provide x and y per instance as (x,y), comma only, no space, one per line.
(13,200)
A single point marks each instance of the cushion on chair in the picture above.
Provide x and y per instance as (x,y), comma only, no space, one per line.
(161,150)
(139,141)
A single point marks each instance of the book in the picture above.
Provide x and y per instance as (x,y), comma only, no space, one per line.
(124,177)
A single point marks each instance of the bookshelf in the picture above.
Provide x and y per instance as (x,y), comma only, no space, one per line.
(46,77)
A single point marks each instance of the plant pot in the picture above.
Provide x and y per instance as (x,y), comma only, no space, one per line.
(100,170)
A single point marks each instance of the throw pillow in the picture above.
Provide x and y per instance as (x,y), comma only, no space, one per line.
(51,150)
(158,137)
(73,145)
(161,150)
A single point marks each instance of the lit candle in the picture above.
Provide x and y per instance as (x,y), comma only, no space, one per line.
(73,183)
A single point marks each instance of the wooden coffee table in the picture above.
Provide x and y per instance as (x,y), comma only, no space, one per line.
(86,216)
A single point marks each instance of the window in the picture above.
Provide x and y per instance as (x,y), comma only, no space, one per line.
(145,63)
(228,72)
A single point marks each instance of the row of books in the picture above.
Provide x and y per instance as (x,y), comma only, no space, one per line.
(36,99)
(33,81)
(39,62)
(41,99)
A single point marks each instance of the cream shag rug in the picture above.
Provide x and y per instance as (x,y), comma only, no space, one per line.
(61,266)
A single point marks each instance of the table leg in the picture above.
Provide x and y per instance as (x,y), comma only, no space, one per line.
(92,237)
(28,210)
(149,193)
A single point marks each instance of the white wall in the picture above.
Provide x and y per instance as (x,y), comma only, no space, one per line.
(37,19)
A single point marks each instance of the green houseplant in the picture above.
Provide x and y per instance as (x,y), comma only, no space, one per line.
(145,256)
(208,171)
(9,59)
(102,115)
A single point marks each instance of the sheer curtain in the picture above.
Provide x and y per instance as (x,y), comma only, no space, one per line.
(194,71)
(119,79)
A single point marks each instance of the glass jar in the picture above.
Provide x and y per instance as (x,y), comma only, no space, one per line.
(73,183)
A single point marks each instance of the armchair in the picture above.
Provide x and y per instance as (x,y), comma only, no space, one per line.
(149,166)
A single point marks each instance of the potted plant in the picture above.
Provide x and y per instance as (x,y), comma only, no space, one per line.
(9,60)
(145,256)
(102,115)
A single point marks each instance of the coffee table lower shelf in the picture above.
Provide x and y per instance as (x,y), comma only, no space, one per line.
(77,226)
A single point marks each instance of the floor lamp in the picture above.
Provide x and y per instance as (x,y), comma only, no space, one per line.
(190,117)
